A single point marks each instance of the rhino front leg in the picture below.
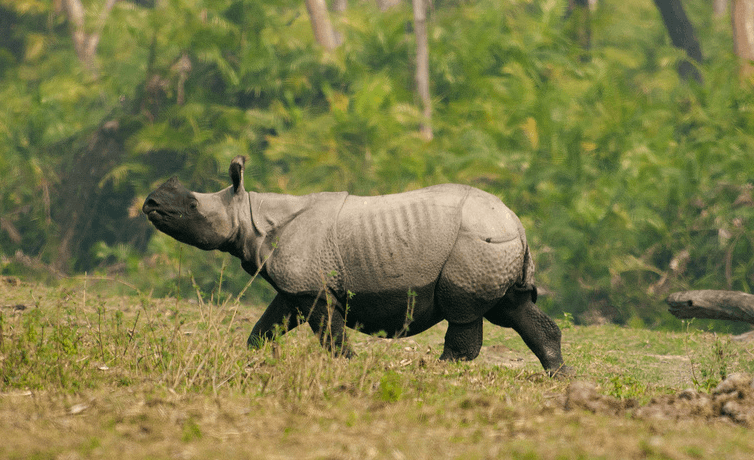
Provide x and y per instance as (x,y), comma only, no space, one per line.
(279,318)
(463,341)
(539,331)
(327,323)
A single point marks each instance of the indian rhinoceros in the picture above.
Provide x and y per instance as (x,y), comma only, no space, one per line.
(396,264)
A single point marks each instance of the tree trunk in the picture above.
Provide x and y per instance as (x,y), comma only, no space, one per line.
(339,6)
(86,43)
(742,16)
(385,5)
(719,7)
(682,35)
(579,14)
(320,19)
(710,304)
(422,66)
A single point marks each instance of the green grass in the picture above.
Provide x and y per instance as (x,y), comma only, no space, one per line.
(86,374)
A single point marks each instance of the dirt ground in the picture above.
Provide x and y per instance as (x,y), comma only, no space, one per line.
(731,401)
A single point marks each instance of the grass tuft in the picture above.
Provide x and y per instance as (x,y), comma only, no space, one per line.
(86,374)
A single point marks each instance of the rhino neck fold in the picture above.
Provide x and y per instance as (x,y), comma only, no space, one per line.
(238,243)
(270,213)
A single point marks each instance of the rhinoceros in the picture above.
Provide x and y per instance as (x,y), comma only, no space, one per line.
(394,264)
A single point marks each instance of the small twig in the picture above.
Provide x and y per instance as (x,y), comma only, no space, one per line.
(248,284)
(131,334)
(104,278)
(100,311)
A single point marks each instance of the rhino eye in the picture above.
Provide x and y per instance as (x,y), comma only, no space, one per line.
(193,205)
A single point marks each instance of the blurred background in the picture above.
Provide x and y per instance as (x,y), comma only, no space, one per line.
(626,150)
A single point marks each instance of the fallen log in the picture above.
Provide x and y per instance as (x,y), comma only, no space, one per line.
(712,304)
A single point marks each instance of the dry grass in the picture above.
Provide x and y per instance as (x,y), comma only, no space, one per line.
(89,375)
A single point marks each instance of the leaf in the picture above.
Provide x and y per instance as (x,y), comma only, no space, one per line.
(625,263)
(530,130)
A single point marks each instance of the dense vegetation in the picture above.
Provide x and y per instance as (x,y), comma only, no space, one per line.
(631,182)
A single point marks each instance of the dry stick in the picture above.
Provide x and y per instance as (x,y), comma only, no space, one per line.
(104,278)
(83,303)
(183,370)
(99,331)
(410,306)
(243,291)
(688,353)
(131,335)
(178,282)
(365,370)
(329,311)
(198,297)
(196,373)
(151,328)
(212,327)
(88,323)
(225,381)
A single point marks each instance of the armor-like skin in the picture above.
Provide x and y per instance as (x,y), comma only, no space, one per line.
(396,264)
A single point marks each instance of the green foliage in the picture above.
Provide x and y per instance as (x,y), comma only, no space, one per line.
(714,364)
(391,387)
(626,387)
(191,431)
(630,182)
(42,350)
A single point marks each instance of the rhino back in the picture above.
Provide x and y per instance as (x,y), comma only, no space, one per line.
(395,242)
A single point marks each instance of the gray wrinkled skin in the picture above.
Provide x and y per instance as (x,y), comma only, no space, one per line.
(460,252)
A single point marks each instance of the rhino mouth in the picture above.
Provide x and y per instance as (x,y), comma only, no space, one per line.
(153,211)
(160,218)
(155,215)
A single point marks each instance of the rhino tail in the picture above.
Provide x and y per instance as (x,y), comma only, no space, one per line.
(526,283)
(527,275)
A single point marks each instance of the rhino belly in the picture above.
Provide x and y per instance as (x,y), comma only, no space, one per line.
(392,249)
(396,313)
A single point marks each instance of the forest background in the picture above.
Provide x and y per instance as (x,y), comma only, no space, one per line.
(631,181)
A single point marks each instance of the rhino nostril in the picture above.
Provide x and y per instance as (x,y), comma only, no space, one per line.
(149,205)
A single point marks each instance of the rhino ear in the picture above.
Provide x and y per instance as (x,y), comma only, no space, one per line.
(236,173)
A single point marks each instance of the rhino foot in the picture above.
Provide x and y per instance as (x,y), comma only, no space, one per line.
(562,372)
(463,341)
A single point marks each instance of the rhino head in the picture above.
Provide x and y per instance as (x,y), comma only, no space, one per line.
(205,220)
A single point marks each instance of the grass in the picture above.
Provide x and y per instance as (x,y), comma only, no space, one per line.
(86,374)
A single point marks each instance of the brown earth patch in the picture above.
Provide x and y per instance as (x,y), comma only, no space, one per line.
(505,356)
(732,400)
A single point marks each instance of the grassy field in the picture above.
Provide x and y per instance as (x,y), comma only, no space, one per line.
(86,374)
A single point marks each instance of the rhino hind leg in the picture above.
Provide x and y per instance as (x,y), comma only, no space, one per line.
(463,341)
(279,318)
(540,333)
